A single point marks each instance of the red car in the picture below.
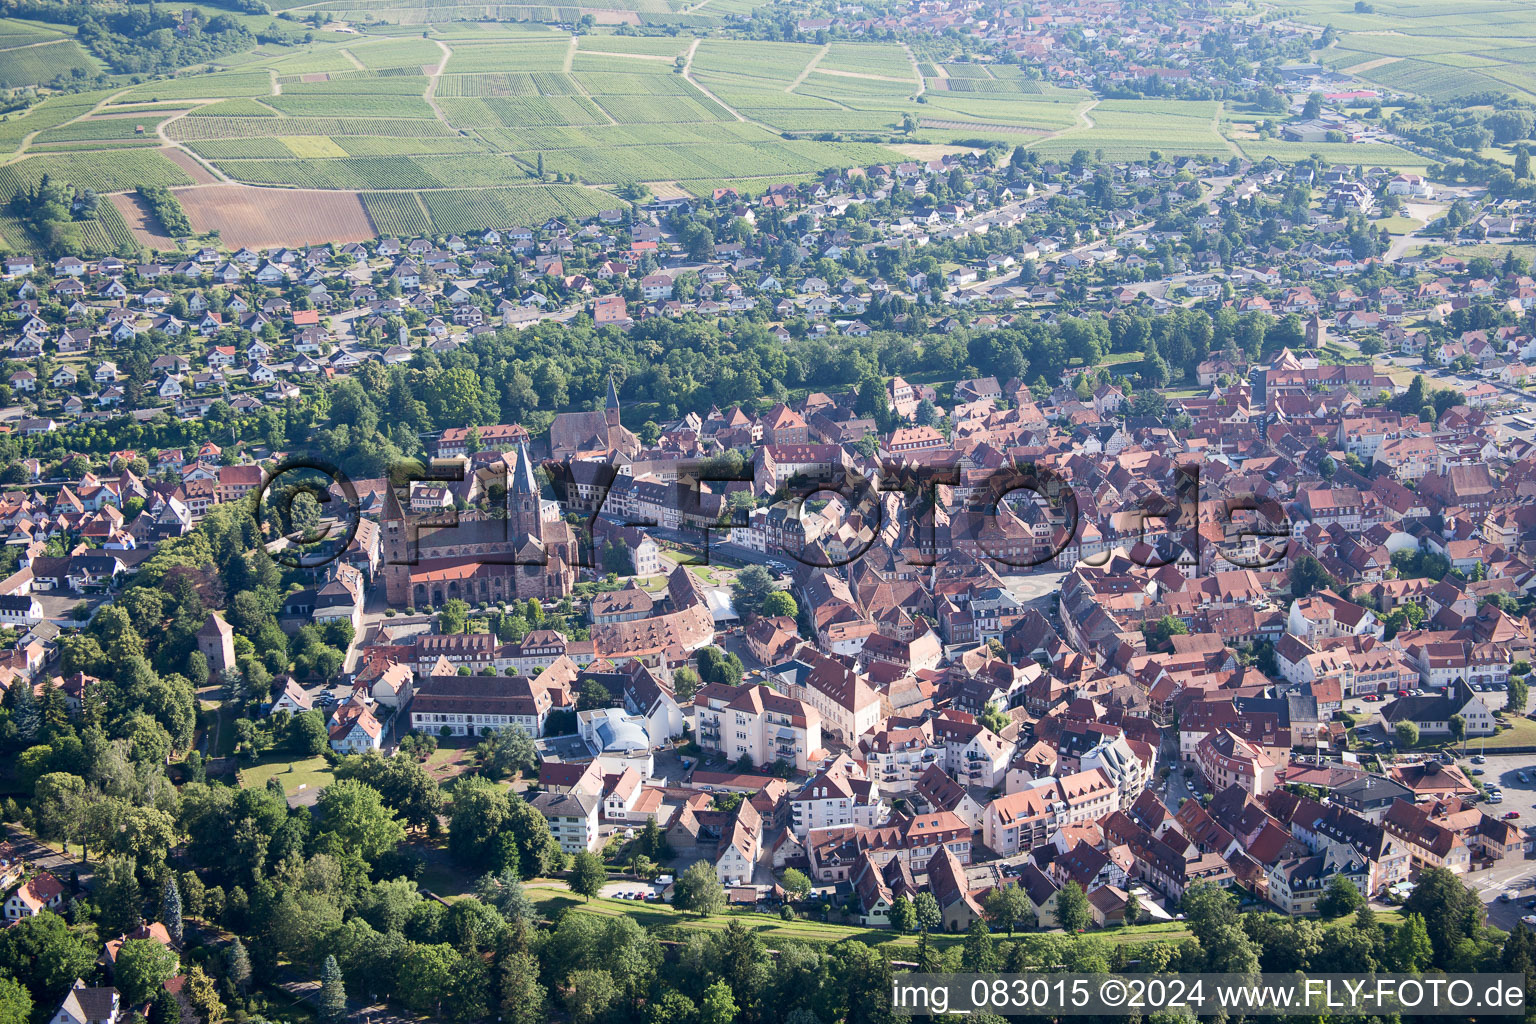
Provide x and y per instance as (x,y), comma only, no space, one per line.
(1511,815)
(1402,693)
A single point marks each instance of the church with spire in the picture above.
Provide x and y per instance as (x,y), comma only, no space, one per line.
(595,434)
(528,552)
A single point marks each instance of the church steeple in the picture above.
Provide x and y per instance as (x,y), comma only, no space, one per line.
(523,494)
(522,477)
(611,413)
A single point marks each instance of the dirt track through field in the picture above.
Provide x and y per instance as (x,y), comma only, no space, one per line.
(186,161)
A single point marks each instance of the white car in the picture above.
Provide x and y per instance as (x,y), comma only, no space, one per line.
(1529,919)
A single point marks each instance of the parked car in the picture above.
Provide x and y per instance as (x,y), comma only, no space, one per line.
(1479,759)
(1511,815)
(1478,771)
(1529,919)
(1507,895)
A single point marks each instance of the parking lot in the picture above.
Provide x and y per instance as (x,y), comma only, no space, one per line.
(632,890)
(1516,874)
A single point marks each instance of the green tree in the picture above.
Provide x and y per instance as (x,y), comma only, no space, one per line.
(1342,897)
(142,966)
(1457,726)
(404,784)
(592,993)
(593,696)
(780,603)
(699,891)
(119,900)
(237,965)
(425,976)
(1307,575)
(994,717)
(1407,734)
(507,752)
(331,1006)
(1410,948)
(749,590)
(505,892)
(796,884)
(355,815)
(718,1005)
(170,907)
(453,617)
(1208,907)
(307,734)
(15,1001)
(685,683)
(672,1008)
(1519,695)
(977,955)
(1158,632)
(588,875)
(202,994)
(523,999)
(1072,912)
(717,666)
(1008,906)
(43,954)
(1451,911)
(902,916)
(925,909)
(164,1009)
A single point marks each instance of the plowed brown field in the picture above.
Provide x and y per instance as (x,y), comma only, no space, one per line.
(262,218)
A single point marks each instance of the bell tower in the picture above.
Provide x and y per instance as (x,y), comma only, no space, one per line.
(612,411)
(523,496)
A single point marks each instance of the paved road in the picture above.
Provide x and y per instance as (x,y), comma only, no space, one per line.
(39,854)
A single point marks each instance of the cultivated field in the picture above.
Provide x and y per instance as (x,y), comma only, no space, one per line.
(262,217)
(469,113)
(146,230)
(1428,48)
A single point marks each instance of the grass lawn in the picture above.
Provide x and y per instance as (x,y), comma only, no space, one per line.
(309,772)
(221,731)
(712,575)
(446,763)
(1495,251)
(551,898)
(1399,225)
(1521,733)
(1113,358)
